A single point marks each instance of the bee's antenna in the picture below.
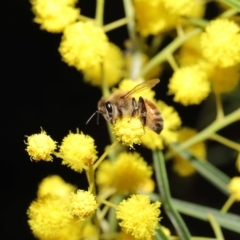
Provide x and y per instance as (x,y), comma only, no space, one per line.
(97,117)
(97,112)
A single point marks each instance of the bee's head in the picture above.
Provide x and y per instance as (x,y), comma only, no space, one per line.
(106,108)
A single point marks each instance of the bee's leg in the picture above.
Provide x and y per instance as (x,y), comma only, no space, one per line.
(135,107)
(142,110)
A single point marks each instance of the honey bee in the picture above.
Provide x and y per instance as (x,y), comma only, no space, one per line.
(121,103)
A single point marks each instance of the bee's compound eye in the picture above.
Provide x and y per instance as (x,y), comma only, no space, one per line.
(109,108)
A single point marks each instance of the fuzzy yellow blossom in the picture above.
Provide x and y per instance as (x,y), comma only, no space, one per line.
(128,84)
(83,45)
(127,174)
(124,236)
(138,216)
(71,231)
(151,139)
(152,17)
(147,186)
(189,85)
(78,150)
(128,130)
(192,8)
(54,15)
(166,231)
(234,187)
(224,79)
(190,53)
(55,185)
(220,43)
(113,64)
(47,215)
(82,204)
(182,166)
(89,231)
(40,146)
(172,123)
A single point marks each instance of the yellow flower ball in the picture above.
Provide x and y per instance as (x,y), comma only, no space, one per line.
(172,123)
(192,8)
(152,17)
(189,85)
(234,187)
(190,53)
(152,140)
(55,185)
(220,43)
(40,146)
(182,166)
(72,231)
(224,80)
(82,204)
(47,215)
(89,231)
(138,217)
(126,175)
(124,236)
(166,231)
(83,45)
(55,15)
(128,130)
(113,64)
(78,151)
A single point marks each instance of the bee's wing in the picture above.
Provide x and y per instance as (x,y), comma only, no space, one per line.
(142,86)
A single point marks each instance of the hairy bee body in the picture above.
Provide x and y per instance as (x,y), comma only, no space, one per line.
(121,103)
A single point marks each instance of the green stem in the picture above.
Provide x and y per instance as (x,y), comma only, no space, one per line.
(163,186)
(230,12)
(155,44)
(225,141)
(107,203)
(219,106)
(85,18)
(99,12)
(228,204)
(216,228)
(105,88)
(92,188)
(207,132)
(172,62)
(198,22)
(115,24)
(238,162)
(173,46)
(91,177)
(129,11)
(112,220)
(105,154)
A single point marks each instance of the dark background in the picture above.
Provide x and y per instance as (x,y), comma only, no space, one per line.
(39,90)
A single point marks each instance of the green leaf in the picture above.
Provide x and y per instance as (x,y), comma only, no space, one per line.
(163,186)
(232,3)
(207,170)
(229,221)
